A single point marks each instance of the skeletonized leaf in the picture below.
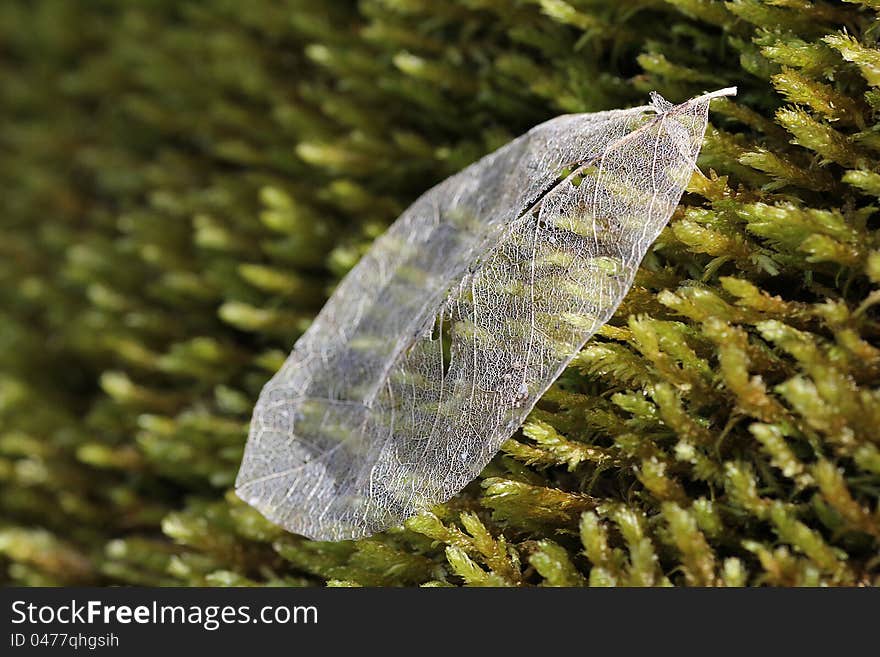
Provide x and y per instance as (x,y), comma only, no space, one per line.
(436,346)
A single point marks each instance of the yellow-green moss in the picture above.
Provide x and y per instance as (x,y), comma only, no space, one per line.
(183,183)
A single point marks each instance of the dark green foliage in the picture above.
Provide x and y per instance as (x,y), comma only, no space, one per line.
(183,183)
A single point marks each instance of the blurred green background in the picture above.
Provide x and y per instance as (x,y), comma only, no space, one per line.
(183,182)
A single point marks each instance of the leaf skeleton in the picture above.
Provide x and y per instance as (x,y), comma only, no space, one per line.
(439,342)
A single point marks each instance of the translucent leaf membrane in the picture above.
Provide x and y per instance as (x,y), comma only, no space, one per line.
(436,346)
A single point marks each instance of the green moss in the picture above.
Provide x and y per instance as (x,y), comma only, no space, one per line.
(184,183)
